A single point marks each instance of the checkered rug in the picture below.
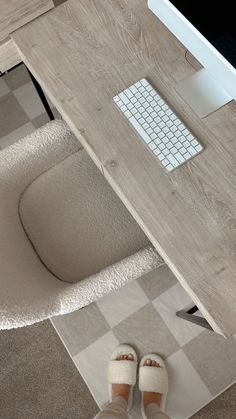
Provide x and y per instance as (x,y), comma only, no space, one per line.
(201,364)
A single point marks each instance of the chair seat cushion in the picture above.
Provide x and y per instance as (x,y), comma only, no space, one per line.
(75,221)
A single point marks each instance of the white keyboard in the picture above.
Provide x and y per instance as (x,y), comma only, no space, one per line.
(161,130)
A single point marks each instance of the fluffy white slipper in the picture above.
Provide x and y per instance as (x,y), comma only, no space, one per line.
(123,372)
(153,379)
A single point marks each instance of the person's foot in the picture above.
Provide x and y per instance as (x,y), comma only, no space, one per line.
(122,389)
(149,397)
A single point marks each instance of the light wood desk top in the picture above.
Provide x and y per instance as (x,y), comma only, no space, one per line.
(86,51)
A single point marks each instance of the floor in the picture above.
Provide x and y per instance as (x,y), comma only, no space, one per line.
(20,113)
(142,313)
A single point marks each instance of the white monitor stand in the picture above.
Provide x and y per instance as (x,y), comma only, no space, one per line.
(202,93)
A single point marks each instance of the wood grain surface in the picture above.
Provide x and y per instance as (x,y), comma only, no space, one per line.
(9,55)
(16,13)
(86,51)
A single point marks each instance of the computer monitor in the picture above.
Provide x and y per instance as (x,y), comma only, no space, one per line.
(208,30)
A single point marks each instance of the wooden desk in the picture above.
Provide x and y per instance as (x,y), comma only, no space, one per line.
(86,51)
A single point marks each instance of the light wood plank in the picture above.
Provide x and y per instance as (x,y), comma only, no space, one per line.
(86,51)
(16,13)
(9,55)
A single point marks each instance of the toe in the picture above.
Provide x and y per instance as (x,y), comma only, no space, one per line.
(130,357)
(148,362)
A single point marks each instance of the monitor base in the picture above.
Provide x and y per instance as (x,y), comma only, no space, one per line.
(203,94)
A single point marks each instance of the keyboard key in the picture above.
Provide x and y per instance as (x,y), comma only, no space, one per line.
(173,160)
(198,147)
(187,155)
(164,107)
(179,157)
(134,89)
(157,141)
(144,82)
(191,150)
(165,162)
(152,146)
(128,114)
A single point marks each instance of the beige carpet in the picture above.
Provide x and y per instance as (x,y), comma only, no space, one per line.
(223,407)
(38,380)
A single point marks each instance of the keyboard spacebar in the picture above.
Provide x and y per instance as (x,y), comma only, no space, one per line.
(140,130)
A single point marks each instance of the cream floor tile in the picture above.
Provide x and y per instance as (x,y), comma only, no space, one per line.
(122,303)
(187,392)
(92,364)
(29,100)
(16,135)
(172,300)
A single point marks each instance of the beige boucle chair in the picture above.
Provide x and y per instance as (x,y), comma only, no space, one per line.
(65,237)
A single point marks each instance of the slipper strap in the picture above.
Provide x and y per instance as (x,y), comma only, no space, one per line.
(153,379)
(122,372)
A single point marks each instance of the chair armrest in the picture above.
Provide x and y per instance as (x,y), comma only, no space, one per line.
(24,280)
